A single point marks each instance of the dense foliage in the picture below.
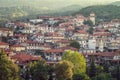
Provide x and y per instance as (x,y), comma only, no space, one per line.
(38,70)
(8,70)
(78,61)
(63,70)
(103,76)
(103,12)
(82,76)
(75,44)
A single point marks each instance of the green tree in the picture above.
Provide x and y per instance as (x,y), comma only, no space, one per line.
(78,61)
(38,70)
(63,70)
(116,72)
(103,76)
(90,30)
(94,69)
(89,23)
(75,44)
(81,77)
(8,70)
(106,66)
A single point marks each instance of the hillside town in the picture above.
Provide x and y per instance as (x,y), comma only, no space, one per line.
(50,36)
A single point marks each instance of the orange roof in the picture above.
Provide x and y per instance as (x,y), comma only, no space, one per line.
(82,32)
(20,24)
(107,54)
(4,29)
(2,43)
(23,57)
(80,16)
(68,48)
(17,45)
(53,51)
(20,35)
(38,34)
(8,51)
(61,49)
(64,41)
(101,34)
(32,42)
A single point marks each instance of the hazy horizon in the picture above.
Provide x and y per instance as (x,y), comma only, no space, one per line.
(54,4)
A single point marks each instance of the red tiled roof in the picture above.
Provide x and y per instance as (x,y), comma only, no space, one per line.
(38,34)
(20,24)
(66,24)
(2,43)
(8,51)
(23,57)
(64,41)
(107,54)
(20,35)
(80,16)
(82,32)
(68,48)
(4,29)
(101,34)
(53,51)
(32,42)
(17,45)
(61,49)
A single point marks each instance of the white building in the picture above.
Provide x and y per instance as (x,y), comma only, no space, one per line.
(92,43)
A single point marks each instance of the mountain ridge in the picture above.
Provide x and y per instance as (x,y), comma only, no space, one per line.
(117,3)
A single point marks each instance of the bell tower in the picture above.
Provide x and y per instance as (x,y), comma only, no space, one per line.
(92,17)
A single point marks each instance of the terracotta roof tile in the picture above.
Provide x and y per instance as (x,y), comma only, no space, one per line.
(23,57)
(2,43)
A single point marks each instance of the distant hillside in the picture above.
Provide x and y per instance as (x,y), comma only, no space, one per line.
(20,9)
(105,12)
(68,10)
(19,12)
(17,9)
(71,8)
(117,3)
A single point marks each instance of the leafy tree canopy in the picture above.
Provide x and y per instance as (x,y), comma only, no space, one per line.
(88,22)
(103,76)
(78,61)
(39,70)
(63,70)
(81,77)
(8,70)
(75,44)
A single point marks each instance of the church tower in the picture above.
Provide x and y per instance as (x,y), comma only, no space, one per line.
(92,17)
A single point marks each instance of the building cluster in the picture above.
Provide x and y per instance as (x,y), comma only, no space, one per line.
(50,36)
